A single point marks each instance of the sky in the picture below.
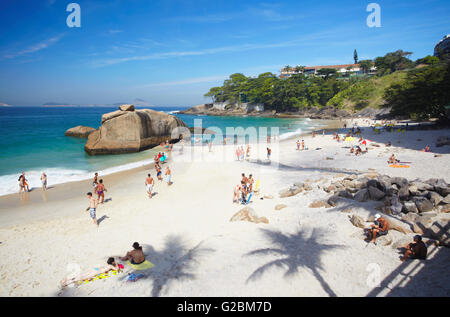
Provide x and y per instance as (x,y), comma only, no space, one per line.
(170,52)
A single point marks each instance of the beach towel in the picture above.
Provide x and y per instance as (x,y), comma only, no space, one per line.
(399,166)
(258,183)
(350,138)
(142,266)
(101,276)
(249,198)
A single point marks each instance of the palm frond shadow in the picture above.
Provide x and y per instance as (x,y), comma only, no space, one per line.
(175,262)
(293,252)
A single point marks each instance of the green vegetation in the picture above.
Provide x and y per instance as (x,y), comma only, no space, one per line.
(419,89)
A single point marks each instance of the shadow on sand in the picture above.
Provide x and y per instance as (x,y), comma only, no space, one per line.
(294,251)
(175,262)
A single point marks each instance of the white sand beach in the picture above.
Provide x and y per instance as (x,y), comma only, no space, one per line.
(186,232)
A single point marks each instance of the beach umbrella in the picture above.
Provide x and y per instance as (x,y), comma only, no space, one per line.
(365,141)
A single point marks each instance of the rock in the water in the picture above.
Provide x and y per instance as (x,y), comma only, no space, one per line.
(440,230)
(133,131)
(423,204)
(79,131)
(319,204)
(248,214)
(126,107)
(280,206)
(357,221)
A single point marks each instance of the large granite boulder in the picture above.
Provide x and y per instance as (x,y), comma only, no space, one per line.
(79,131)
(248,214)
(132,131)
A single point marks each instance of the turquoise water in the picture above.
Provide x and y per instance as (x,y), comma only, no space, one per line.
(32,140)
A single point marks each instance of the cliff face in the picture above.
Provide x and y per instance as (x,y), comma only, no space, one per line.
(131,131)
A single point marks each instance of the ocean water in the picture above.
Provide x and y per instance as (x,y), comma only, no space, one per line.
(32,141)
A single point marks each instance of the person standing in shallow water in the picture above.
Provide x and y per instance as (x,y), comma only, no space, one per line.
(44,181)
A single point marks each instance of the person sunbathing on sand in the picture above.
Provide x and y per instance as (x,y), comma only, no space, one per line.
(416,250)
(393,160)
(358,150)
(388,143)
(135,256)
(111,265)
(380,228)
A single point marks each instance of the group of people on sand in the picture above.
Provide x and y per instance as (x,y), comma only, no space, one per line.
(135,256)
(243,191)
(150,182)
(415,250)
(300,145)
(23,183)
(99,189)
(241,155)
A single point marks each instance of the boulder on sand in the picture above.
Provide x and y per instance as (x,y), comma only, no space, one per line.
(440,230)
(319,204)
(357,221)
(79,131)
(133,131)
(248,214)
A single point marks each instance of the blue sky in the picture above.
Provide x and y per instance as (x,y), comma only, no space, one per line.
(171,52)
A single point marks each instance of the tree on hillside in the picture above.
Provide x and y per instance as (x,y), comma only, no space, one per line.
(299,69)
(392,62)
(327,72)
(365,65)
(424,94)
(428,60)
(355,56)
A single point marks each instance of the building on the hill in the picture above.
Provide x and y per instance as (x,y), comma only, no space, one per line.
(342,70)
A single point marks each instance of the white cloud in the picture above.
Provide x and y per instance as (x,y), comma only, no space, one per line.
(34,48)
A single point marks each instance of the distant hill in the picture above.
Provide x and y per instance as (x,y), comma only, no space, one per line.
(136,102)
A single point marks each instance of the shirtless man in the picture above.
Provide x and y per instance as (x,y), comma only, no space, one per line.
(416,250)
(44,181)
(135,256)
(236,193)
(92,207)
(95,182)
(149,183)
(380,228)
(244,180)
(393,160)
(168,176)
(250,181)
(100,190)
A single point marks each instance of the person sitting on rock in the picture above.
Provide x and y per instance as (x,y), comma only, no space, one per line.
(416,250)
(380,228)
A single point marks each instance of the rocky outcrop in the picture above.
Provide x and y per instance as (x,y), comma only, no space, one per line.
(79,131)
(132,131)
(248,214)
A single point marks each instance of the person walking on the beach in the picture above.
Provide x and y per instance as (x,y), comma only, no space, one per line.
(236,193)
(44,181)
(149,183)
(95,182)
(168,176)
(158,171)
(100,190)
(303,145)
(210,146)
(93,203)
(248,151)
(298,145)
(269,152)
(21,183)
(313,134)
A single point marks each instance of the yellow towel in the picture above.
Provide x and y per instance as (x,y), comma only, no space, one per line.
(142,266)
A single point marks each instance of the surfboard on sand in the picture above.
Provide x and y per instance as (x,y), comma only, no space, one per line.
(399,166)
